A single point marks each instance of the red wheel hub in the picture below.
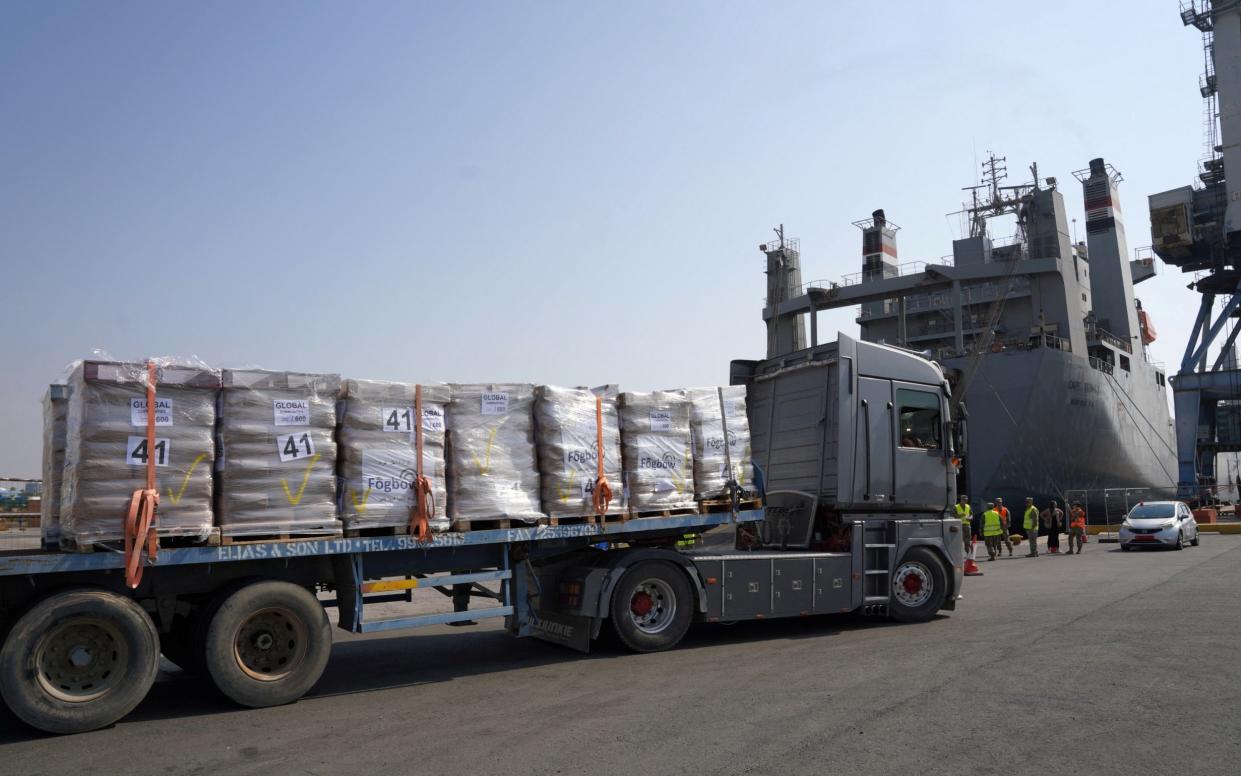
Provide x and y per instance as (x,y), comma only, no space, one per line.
(641,604)
(913,584)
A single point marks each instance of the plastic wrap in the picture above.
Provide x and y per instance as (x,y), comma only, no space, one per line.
(567,434)
(712,425)
(277,453)
(55,417)
(378,454)
(106,448)
(655,445)
(492,471)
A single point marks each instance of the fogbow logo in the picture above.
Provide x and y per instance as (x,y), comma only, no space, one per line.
(666,462)
(588,457)
(716,443)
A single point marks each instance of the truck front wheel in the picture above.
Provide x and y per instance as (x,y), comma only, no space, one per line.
(268,644)
(652,606)
(919,586)
(79,660)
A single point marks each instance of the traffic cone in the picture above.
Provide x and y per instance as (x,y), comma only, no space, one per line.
(971,567)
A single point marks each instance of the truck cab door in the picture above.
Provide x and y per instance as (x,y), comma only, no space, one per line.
(872,464)
(921,459)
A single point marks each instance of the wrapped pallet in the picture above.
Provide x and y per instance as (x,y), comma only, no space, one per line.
(721,434)
(492,471)
(277,462)
(568,443)
(378,453)
(655,446)
(106,449)
(55,415)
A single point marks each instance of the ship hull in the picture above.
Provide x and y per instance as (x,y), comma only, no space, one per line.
(1044,423)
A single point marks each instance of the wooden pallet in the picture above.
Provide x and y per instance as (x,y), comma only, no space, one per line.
(291,536)
(711,506)
(69,544)
(466,526)
(632,515)
(378,530)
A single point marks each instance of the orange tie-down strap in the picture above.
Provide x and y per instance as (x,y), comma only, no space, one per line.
(602,496)
(423,510)
(141,515)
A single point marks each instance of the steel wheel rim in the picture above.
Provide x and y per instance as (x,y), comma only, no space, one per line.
(913,585)
(270,644)
(652,606)
(81,660)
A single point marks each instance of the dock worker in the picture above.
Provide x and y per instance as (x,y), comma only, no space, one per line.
(1030,523)
(965,515)
(1077,527)
(1053,518)
(992,530)
(1004,524)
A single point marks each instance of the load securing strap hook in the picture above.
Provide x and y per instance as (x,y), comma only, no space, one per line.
(141,516)
(602,496)
(424,498)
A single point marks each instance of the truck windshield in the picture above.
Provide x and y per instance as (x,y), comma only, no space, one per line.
(1151,511)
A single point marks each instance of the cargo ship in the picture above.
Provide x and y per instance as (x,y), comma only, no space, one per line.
(1043,337)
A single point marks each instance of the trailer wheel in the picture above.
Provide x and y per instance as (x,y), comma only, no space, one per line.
(79,660)
(652,606)
(919,586)
(268,644)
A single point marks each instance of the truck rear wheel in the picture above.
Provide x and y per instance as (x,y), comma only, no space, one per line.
(919,586)
(268,644)
(652,606)
(79,660)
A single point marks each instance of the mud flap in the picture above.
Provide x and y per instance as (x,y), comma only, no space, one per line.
(568,630)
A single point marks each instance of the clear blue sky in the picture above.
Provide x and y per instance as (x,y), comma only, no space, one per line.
(550,192)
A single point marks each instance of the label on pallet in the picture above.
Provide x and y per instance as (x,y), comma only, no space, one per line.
(296,446)
(494,404)
(397,419)
(291,412)
(661,420)
(432,417)
(138,411)
(137,452)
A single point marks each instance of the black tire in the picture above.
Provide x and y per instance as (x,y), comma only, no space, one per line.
(1180,542)
(1194,541)
(911,599)
(267,644)
(79,660)
(652,607)
(1125,548)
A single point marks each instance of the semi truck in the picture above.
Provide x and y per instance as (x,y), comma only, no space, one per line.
(854,460)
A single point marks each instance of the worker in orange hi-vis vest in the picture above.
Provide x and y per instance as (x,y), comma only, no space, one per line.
(1077,527)
(1004,524)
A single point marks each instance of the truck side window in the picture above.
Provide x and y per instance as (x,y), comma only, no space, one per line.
(920,426)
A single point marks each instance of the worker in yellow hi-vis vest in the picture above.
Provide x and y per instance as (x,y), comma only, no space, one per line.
(1030,523)
(992,530)
(964,514)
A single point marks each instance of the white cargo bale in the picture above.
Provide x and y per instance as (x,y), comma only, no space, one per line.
(106,449)
(378,458)
(492,470)
(55,418)
(277,462)
(721,434)
(655,445)
(568,443)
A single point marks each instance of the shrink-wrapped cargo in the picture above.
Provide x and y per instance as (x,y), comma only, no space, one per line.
(721,435)
(106,449)
(55,415)
(655,444)
(378,458)
(492,472)
(568,443)
(277,460)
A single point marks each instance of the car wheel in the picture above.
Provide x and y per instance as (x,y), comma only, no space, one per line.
(1194,541)
(1180,542)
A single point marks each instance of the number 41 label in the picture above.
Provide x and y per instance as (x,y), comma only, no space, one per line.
(137,453)
(293,447)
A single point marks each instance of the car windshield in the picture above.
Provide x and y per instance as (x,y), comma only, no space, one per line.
(1152,511)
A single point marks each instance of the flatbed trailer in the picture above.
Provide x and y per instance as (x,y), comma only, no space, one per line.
(80,648)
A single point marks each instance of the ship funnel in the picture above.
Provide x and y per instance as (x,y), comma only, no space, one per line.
(1111,279)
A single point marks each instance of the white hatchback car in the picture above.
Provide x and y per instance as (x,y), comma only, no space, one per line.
(1159,524)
